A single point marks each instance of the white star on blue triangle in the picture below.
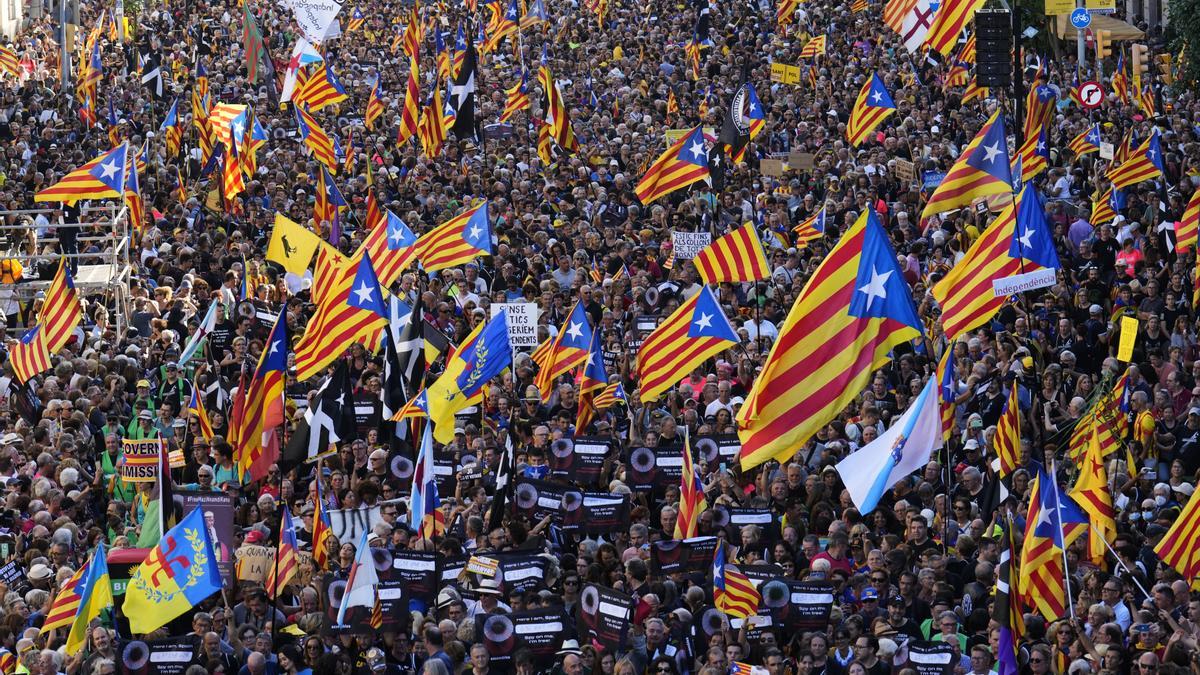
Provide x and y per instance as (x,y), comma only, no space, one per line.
(879,288)
(365,293)
(991,155)
(708,320)
(478,230)
(1033,241)
(399,235)
(879,96)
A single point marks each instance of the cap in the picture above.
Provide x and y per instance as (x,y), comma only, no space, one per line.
(39,572)
(869,594)
(145,415)
(1095,309)
(1184,489)
(144,383)
(971,444)
(254,537)
(1194,411)
(378,453)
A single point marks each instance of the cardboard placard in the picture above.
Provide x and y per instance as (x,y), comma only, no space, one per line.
(801,161)
(1129,329)
(785,73)
(141,460)
(605,615)
(772,167)
(253,562)
(686,245)
(1054,7)
(906,171)
(522,322)
(1106,150)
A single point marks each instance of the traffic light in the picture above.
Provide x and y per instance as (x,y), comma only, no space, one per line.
(1103,43)
(1165,69)
(1141,59)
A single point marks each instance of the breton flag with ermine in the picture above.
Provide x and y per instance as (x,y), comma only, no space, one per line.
(736,257)
(691,496)
(684,163)
(1144,163)
(981,171)
(462,97)
(873,106)
(1018,241)
(733,592)
(287,558)
(948,24)
(852,313)
(1188,226)
(692,334)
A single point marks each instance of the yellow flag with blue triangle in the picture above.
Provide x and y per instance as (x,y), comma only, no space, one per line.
(178,574)
(95,596)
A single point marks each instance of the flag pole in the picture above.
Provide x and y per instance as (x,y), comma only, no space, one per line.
(1061,537)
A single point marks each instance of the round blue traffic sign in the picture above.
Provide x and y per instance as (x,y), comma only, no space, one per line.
(1081,18)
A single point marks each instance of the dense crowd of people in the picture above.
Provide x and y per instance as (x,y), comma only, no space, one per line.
(919,569)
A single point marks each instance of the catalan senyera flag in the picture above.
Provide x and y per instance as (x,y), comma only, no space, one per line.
(948,23)
(101,178)
(1086,142)
(1108,416)
(414,34)
(684,163)
(66,603)
(1144,163)
(556,112)
(957,76)
(981,171)
(1102,209)
(947,390)
(1092,494)
(1186,229)
(263,413)
(287,557)
(178,574)
(316,139)
(457,241)
(410,115)
(733,592)
(1180,546)
(432,129)
(814,48)
(95,595)
(518,97)
(29,355)
(355,309)
(895,11)
(785,13)
(356,20)
(1018,241)
(858,6)
(9,61)
(811,228)
(1120,81)
(691,496)
(735,257)
(873,106)
(60,313)
(692,334)
(853,311)
(1042,556)
(973,92)
(1039,105)
(1145,101)
(196,407)
(506,24)
(1007,441)
(374,104)
(568,349)
(967,53)
(322,530)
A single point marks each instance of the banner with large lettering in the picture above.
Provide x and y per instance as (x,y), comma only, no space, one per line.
(139,462)
(605,615)
(540,631)
(314,17)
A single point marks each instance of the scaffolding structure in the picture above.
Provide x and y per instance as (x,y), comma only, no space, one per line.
(105,272)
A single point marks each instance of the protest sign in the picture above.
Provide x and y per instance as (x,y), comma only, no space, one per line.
(522,322)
